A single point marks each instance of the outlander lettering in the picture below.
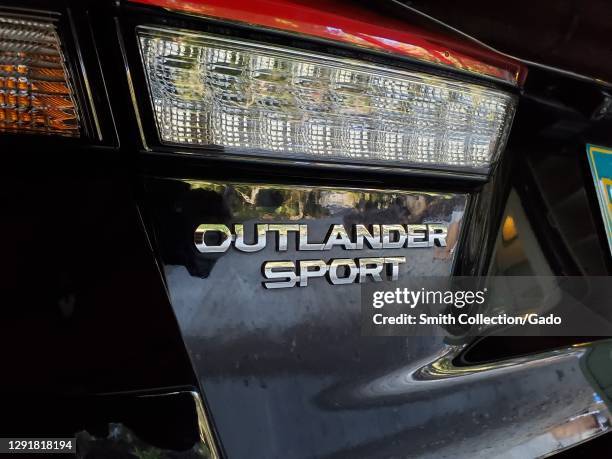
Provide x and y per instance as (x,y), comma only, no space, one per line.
(286,273)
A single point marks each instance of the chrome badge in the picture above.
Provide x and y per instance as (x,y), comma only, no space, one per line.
(218,238)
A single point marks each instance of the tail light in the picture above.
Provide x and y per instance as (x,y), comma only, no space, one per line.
(257,99)
(35,90)
(242,98)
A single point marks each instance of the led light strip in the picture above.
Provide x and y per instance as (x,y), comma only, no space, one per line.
(265,100)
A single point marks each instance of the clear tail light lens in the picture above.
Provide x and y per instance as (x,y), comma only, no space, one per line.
(35,94)
(265,100)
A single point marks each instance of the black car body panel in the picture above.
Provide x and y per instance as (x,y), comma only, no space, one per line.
(107,300)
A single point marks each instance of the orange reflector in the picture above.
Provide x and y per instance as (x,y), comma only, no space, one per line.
(35,91)
(509,231)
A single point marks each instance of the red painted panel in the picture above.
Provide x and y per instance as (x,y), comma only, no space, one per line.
(351,24)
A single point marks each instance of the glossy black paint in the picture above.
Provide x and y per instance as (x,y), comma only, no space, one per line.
(87,301)
(249,360)
(79,275)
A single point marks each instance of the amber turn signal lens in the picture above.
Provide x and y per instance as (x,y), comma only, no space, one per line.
(35,90)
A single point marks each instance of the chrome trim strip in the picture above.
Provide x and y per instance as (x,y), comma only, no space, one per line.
(206,435)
